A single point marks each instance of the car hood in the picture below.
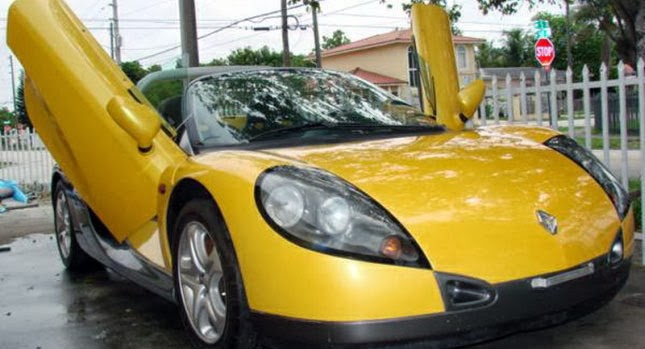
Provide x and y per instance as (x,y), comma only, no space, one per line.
(470,199)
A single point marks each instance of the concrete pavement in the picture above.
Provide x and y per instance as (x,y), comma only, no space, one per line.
(615,159)
(22,220)
(43,306)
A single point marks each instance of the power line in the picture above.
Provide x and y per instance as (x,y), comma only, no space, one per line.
(217,31)
(233,40)
(370,16)
(147,7)
(148,48)
(160,28)
(91,6)
(348,8)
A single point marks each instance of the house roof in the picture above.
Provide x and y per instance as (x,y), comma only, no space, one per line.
(376,78)
(393,37)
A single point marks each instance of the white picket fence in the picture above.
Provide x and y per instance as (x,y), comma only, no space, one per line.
(24,159)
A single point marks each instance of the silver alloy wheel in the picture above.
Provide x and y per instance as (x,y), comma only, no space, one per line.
(201,282)
(63,225)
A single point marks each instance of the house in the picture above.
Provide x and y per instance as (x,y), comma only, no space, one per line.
(387,61)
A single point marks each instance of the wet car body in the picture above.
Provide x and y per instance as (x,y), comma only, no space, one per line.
(308,205)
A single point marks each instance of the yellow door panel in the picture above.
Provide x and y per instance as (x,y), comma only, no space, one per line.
(433,40)
(71,81)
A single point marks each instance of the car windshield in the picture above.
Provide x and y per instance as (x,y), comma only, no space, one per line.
(243,107)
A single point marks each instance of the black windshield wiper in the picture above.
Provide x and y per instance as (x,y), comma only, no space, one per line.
(398,102)
(287,130)
(350,126)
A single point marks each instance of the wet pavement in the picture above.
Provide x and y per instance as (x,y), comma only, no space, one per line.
(43,306)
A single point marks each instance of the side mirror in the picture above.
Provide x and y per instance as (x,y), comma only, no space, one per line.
(469,99)
(136,119)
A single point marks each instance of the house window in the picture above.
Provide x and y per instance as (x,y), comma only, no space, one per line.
(413,68)
(462,61)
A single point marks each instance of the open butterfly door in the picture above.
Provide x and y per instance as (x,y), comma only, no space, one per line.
(97,125)
(438,69)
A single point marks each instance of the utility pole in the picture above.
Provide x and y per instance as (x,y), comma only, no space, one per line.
(286,60)
(13,84)
(188,24)
(568,17)
(116,36)
(314,15)
(112,40)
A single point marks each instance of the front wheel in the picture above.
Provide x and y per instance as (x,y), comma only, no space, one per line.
(208,285)
(71,254)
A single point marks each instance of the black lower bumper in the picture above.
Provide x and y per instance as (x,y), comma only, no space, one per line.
(517,306)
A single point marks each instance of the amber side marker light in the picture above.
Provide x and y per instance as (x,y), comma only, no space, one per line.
(391,247)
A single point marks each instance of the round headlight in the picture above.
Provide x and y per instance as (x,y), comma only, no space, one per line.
(334,215)
(285,205)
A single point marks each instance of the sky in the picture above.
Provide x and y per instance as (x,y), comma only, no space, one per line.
(149,27)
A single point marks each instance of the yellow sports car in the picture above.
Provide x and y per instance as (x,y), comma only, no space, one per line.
(308,206)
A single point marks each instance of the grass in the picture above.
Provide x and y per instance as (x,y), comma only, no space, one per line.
(614,143)
(635,187)
(596,139)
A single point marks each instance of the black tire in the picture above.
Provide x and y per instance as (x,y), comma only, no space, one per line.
(71,254)
(200,220)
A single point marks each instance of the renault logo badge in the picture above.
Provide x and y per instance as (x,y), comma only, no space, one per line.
(547,221)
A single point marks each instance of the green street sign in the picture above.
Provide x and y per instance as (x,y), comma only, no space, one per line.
(542,29)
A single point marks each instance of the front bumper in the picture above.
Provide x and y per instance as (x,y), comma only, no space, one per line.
(516,306)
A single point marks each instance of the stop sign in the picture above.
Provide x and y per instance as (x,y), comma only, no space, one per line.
(544,51)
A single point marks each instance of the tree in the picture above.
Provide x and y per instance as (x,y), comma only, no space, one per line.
(262,56)
(623,21)
(20,113)
(587,44)
(134,70)
(489,56)
(338,38)
(217,62)
(586,40)
(454,11)
(518,48)
(6,118)
(249,56)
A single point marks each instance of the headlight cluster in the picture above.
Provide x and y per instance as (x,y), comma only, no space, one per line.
(321,212)
(583,157)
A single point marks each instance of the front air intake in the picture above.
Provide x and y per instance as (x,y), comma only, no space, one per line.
(462,293)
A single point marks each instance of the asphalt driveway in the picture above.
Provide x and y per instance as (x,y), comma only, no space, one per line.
(43,306)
